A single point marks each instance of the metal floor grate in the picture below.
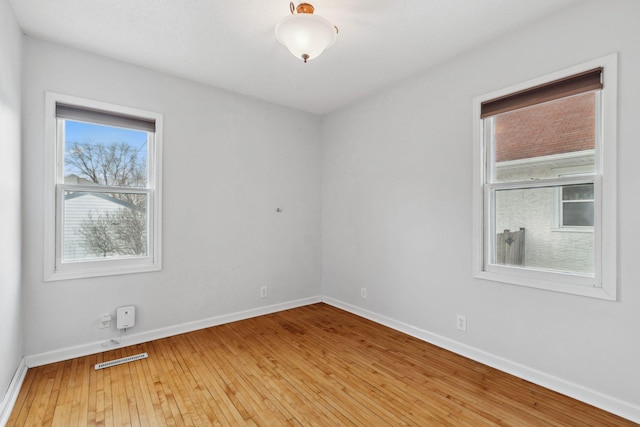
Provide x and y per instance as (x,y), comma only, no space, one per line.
(121,361)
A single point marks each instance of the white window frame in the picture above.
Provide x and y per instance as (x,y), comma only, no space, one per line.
(603,284)
(54,268)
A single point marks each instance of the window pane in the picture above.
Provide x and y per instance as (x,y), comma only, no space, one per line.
(525,234)
(531,142)
(104,155)
(577,214)
(577,192)
(103,225)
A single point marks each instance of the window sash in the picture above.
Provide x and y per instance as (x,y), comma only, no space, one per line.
(490,189)
(60,221)
(575,203)
(61,147)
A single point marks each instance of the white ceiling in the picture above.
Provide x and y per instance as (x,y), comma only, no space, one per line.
(231,44)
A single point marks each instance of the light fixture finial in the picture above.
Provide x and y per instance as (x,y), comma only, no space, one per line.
(305,8)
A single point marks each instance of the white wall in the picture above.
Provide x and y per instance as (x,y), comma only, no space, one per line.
(397,200)
(229,162)
(10,300)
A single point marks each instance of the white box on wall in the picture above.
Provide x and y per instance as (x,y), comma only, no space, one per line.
(125,317)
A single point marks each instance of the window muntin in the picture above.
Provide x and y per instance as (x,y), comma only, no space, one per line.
(532,176)
(105,178)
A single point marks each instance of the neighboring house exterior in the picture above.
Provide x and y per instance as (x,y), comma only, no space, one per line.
(83,206)
(545,141)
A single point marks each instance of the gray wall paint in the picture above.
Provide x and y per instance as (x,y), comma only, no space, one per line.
(397,201)
(229,162)
(10,246)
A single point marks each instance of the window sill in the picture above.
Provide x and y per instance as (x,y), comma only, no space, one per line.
(84,270)
(572,230)
(558,282)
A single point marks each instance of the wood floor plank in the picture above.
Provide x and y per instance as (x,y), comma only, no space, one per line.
(337,372)
(119,401)
(311,366)
(310,381)
(52,401)
(188,402)
(207,409)
(64,403)
(136,413)
(208,378)
(387,387)
(142,394)
(164,389)
(109,402)
(81,397)
(158,388)
(287,388)
(92,390)
(99,390)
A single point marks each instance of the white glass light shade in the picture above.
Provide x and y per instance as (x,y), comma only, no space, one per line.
(306,35)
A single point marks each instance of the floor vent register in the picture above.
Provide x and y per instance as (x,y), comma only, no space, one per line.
(121,361)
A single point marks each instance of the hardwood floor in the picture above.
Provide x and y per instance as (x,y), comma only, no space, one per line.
(311,366)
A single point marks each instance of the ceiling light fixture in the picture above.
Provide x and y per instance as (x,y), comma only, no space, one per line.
(305,35)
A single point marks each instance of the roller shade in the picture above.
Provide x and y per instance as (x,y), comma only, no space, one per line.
(561,88)
(71,112)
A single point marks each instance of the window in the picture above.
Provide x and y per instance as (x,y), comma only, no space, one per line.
(576,206)
(103,189)
(545,182)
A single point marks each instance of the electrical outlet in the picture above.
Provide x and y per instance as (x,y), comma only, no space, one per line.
(461,323)
(104,321)
(263,292)
(363,293)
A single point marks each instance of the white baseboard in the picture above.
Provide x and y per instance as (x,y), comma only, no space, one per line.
(9,400)
(610,404)
(132,339)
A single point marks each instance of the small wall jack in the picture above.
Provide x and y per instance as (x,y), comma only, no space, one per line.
(461,323)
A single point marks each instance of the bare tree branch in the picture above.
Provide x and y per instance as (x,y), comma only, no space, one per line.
(123,232)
